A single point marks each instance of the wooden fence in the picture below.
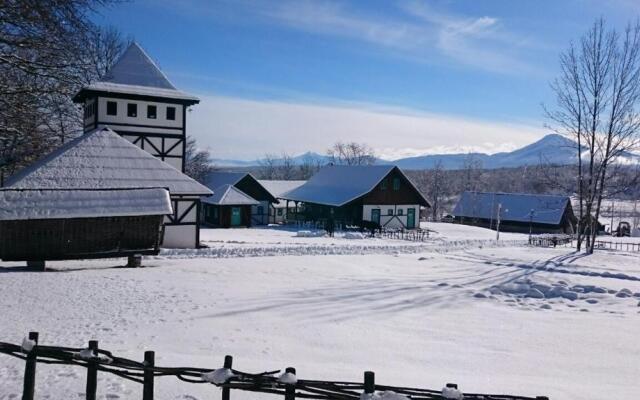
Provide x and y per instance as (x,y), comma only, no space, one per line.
(415,235)
(624,246)
(145,372)
(551,240)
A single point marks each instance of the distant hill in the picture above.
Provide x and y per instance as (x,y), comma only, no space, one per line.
(551,149)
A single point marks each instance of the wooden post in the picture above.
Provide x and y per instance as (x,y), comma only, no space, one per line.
(134,261)
(30,370)
(226,392)
(452,385)
(92,373)
(149,361)
(369,382)
(290,390)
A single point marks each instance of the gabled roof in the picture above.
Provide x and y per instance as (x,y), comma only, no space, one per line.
(135,73)
(229,195)
(515,207)
(216,179)
(26,204)
(101,159)
(337,185)
(278,188)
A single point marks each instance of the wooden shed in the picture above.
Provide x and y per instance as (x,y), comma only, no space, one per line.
(61,224)
(229,207)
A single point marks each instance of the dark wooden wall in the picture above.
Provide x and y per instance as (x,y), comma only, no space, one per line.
(254,189)
(407,194)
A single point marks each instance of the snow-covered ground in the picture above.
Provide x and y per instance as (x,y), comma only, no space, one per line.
(514,319)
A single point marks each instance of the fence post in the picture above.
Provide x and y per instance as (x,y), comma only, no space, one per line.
(369,382)
(30,370)
(226,392)
(149,362)
(290,390)
(92,372)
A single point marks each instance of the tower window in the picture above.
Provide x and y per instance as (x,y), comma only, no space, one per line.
(171,113)
(152,112)
(112,108)
(132,110)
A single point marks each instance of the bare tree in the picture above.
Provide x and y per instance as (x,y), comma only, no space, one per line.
(598,94)
(197,162)
(472,168)
(351,153)
(309,166)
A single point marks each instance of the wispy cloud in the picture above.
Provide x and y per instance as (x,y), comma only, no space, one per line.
(245,129)
(416,31)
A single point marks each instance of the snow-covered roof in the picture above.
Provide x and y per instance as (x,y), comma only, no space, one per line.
(337,185)
(135,73)
(278,188)
(516,207)
(229,195)
(102,159)
(18,204)
(216,179)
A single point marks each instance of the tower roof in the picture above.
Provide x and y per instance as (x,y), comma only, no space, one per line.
(135,74)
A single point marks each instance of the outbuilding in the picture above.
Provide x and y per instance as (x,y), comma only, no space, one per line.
(229,207)
(278,211)
(249,187)
(51,224)
(349,195)
(102,159)
(516,212)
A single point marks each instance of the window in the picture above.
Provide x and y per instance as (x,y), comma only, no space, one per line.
(396,183)
(260,210)
(400,211)
(132,110)
(383,184)
(152,112)
(390,211)
(171,113)
(112,108)
(279,212)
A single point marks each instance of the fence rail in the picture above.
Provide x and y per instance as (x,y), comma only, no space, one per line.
(415,235)
(551,240)
(623,246)
(286,384)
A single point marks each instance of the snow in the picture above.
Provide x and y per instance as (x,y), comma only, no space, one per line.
(226,195)
(336,185)
(101,159)
(218,376)
(288,378)
(49,204)
(452,393)
(408,313)
(28,344)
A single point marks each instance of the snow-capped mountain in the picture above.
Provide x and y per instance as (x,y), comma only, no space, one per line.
(551,149)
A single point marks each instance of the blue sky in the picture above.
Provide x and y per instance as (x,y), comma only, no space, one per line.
(407,77)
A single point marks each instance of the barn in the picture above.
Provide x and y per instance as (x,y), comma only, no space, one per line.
(517,212)
(349,195)
(229,207)
(61,224)
(278,211)
(247,186)
(102,159)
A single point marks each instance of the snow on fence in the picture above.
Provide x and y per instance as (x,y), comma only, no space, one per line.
(415,235)
(284,384)
(551,240)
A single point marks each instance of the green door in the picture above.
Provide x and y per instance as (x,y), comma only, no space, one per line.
(236,216)
(411,218)
(375,215)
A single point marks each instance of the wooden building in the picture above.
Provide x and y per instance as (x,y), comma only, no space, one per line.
(229,207)
(137,101)
(51,224)
(278,211)
(102,159)
(349,195)
(248,186)
(517,212)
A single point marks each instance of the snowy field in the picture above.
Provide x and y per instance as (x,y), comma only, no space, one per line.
(513,319)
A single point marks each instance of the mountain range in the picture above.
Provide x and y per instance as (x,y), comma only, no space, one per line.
(551,149)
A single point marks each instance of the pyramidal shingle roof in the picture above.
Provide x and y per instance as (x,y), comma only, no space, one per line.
(135,67)
(102,159)
(135,73)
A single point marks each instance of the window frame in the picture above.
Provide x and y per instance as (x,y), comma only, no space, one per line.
(173,111)
(400,212)
(153,115)
(383,184)
(134,107)
(396,184)
(112,104)
(390,212)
